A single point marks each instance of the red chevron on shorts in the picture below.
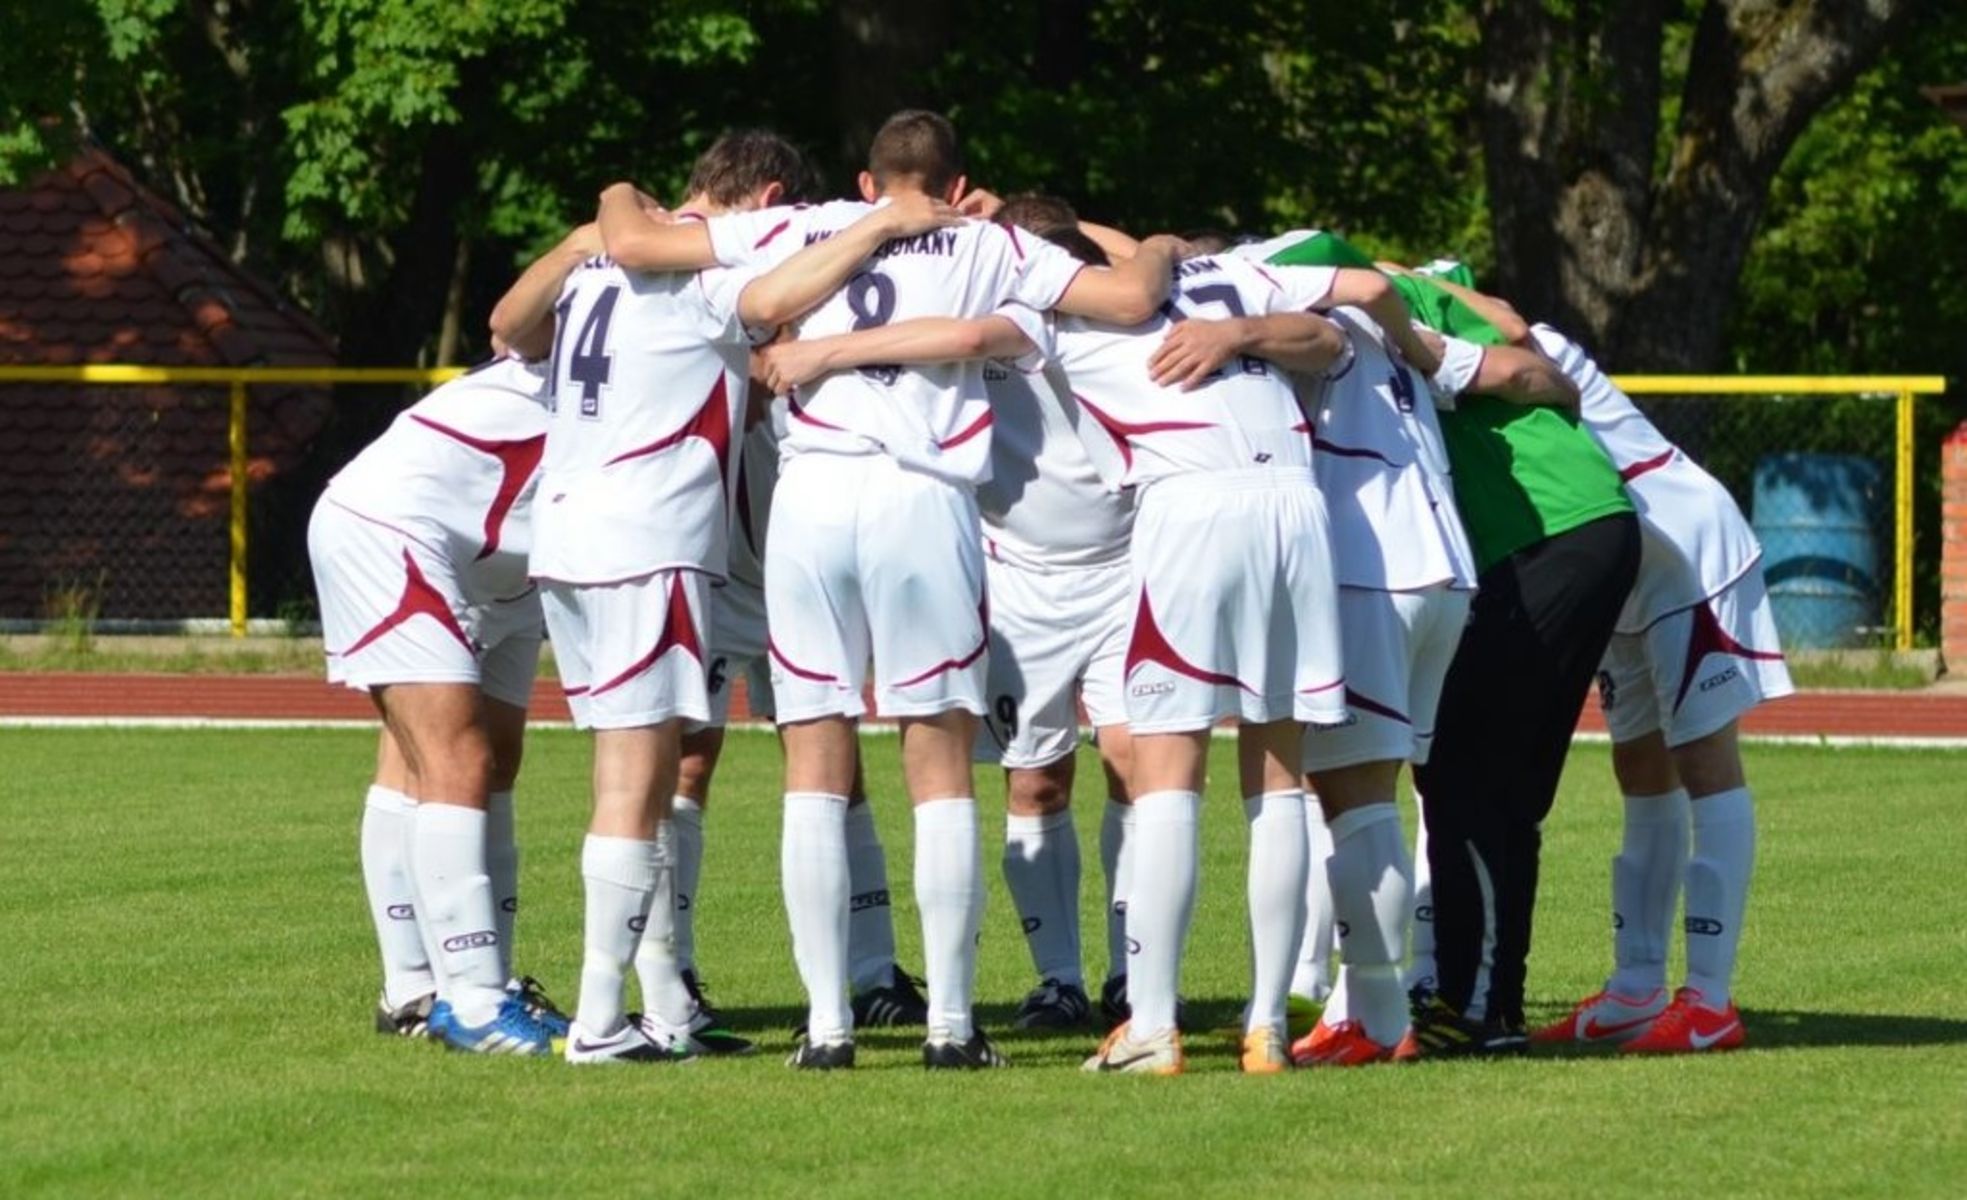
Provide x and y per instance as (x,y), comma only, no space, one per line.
(419,596)
(679,632)
(1707,637)
(1150,645)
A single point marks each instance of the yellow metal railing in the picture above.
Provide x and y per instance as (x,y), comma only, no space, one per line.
(1904,388)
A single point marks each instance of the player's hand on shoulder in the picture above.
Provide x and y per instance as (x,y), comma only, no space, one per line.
(1192,351)
(1173,246)
(788,364)
(908,215)
(583,241)
(981,203)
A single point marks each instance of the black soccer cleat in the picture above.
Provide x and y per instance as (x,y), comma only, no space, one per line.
(1504,1037)
(808,1055)
(1441,1031)
(977,1054)
(1054,1005)
(899,1003)
(411,1020)
(539,1005)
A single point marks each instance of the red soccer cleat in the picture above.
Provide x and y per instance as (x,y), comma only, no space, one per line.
(1689,1027)
(1604,1018)
(1342,1045)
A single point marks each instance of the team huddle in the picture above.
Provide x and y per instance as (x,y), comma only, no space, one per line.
(994,466)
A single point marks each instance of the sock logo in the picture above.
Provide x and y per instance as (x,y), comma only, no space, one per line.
(1706,926)
(1133,945)
(638,924)
(1344,929)
(509,904)
(1424,913)
(682,902)
(471,941)
(1120,908)
(402,912)
(1031,925)
(867,900)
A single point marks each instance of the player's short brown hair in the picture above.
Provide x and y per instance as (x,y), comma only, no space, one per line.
(917,145)
(1037,212)
(742,161)
(1077,244)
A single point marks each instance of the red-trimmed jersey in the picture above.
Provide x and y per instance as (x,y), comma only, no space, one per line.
(1694,541)
(647,394)
(1136,431)
(457,471)
(934,418)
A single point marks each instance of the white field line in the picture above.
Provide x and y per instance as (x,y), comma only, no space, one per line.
(887,728)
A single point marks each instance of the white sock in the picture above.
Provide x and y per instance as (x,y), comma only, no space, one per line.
(454,901)
(1717,891)
(1279,860)
(949,893)
(502,864)
(1373,896)
(1420,965)
(871,914)
(813,859)
(620,874)
(1116,858)
(406,969)
(656,967)
(1312,976)
(1646,876)
(686,858)
(1160,905)
(1041,867)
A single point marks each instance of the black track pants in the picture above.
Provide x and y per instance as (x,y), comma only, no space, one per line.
(1536,633)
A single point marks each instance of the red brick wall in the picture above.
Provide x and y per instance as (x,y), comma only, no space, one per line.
(1953,554)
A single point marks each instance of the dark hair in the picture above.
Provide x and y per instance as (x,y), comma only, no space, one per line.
(1037,212)
(917,145)
(1077,244)
(1210,239)
(743,161)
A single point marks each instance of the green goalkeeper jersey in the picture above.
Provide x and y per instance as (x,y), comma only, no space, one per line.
(1522,474)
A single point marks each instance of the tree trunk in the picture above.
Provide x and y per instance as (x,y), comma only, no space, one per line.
(883,51)
(1643,265)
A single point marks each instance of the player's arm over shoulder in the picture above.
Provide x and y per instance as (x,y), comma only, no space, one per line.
(921,340)
(1126,293)
(522,320)
(1512,373)
(640,236)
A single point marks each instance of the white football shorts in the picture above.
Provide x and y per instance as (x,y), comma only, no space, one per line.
(738,639)
(1056,637)
(1693,671)
(1398,647)
(392,612)
(631,654)
(866,558)
(1236,610)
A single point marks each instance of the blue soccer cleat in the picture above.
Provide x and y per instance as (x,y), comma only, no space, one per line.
(514,1031)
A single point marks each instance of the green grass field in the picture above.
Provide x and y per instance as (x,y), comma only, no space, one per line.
(187,974)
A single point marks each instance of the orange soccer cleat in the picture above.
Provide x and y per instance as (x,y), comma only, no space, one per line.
(1689,1027)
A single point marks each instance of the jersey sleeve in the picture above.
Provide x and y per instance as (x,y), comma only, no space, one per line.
(720,289)
(1460,360)
(1040,272)
(1295,289)
(750,239)
(1037,328)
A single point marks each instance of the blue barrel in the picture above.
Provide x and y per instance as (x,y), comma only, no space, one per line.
(1813,514)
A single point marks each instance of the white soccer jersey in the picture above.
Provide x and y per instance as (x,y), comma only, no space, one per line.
(1045,507)
(931,418)
(1246,418)
(1384,470)
(1694,540)
(457,471)
(648,384)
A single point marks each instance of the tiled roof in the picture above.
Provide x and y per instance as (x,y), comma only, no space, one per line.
(122,489)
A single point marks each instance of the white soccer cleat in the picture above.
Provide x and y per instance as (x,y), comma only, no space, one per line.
(627,1044)
(1120,1053)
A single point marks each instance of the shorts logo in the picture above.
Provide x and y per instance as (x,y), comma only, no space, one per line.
(1715,681)
(682,902)
(1153,689)
(1344,929)
(1705,926)
(1606,690)
(509,904)
(1264,457)
(402,912)
(1351,719)
(867,900)
(471,941)
(1031,925)
(1618,920)
(638,924)
(995,373)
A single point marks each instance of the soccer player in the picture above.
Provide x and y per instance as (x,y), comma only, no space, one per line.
(648,383)
(419,550)
(1234,609)
(883,993)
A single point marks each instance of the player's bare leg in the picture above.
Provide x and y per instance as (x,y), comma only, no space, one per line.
(1372,892)
(1116,747)
(1041,869)
(1269,760)
(443,731)
(948,881)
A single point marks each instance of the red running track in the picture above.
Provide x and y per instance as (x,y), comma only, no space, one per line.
(292,697)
